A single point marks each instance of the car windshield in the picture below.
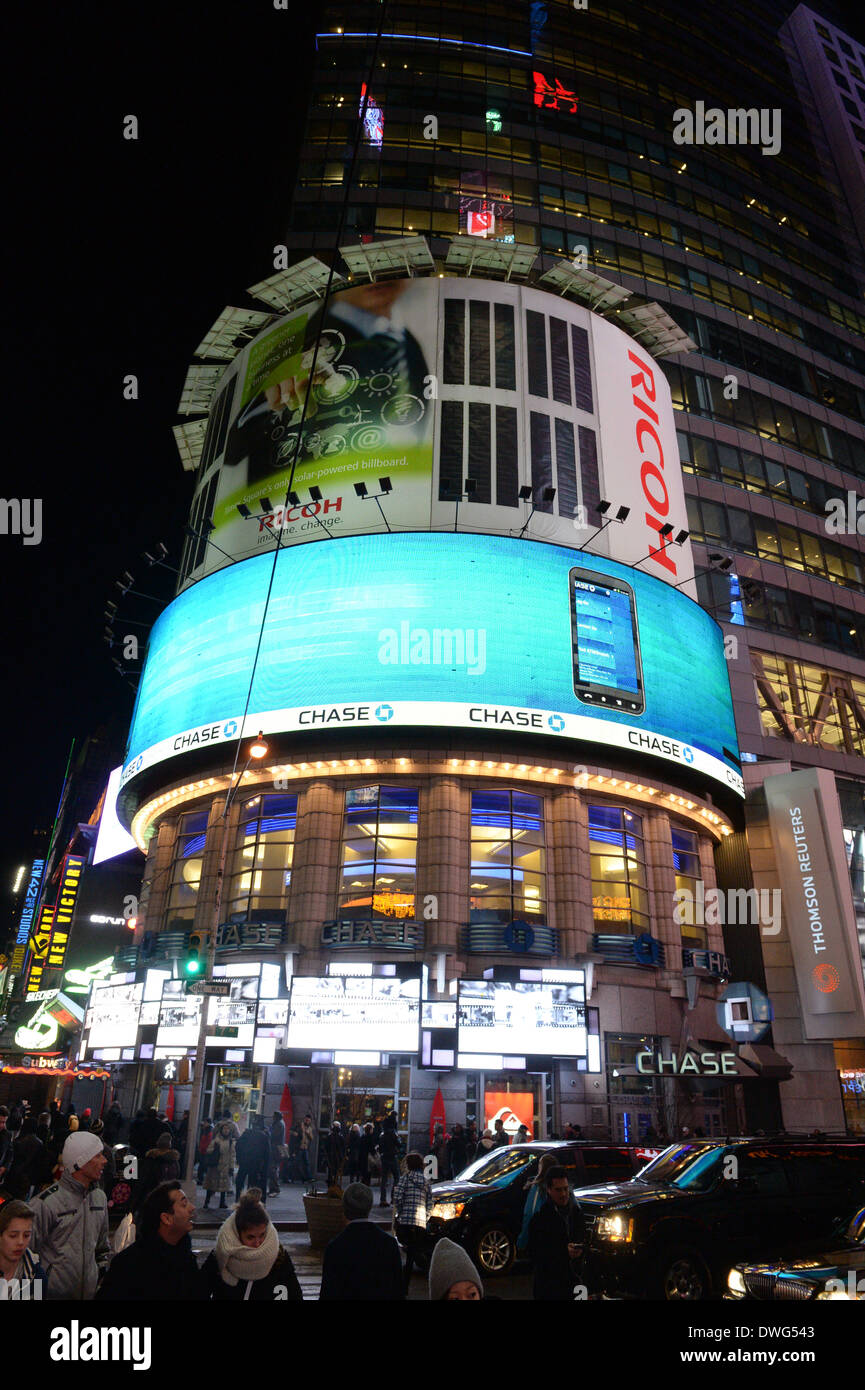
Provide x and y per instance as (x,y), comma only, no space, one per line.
(856,1229)
(689,1167)
(498,1166)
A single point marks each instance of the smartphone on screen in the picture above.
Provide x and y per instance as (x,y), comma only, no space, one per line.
(606,645)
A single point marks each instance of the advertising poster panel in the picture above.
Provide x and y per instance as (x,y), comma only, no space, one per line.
(440,630)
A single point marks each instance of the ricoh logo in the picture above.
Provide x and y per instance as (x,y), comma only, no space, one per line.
(651,468)
(77,1343)
(732,127)
(423,646)
(273,522)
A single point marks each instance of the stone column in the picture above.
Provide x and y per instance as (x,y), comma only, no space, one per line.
(315,864)
(569,882)
(205,908)
(444,860)
(156,881)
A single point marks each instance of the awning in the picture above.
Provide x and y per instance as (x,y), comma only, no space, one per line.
(766,1062)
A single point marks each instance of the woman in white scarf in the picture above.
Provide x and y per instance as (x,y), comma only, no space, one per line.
(248,1261)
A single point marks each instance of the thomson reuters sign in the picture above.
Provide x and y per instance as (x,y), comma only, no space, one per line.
(817,902)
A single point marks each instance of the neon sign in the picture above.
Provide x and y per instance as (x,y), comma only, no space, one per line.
(544,91)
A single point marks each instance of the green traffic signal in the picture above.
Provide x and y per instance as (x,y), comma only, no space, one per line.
(193,964)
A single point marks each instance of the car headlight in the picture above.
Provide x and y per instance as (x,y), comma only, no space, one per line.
(736,1282)
(447,1211)
(829,1295)
(615,1226)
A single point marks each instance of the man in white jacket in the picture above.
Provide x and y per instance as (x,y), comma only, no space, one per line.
(70,1222)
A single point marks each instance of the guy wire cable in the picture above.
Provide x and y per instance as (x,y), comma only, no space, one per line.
(325,299)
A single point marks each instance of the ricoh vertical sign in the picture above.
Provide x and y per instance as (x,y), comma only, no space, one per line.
(817,902)
(64,909)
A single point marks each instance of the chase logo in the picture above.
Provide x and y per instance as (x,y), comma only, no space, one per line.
(688,754)
(133,767)
(557,722)
(230,729)
(383,713)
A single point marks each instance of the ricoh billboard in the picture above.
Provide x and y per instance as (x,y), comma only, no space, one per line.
(427,382)
(444,630)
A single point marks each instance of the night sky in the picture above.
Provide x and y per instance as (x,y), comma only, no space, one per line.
(122,255)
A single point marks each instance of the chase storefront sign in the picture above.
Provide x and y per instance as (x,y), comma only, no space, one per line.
(691,1064)
(391,934)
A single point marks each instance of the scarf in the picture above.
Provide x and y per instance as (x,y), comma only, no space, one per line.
(237,1261)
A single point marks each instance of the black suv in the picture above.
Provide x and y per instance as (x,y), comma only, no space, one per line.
(482,1208)
(675,1230)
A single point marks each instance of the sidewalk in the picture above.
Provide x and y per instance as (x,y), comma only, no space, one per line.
(286,1211)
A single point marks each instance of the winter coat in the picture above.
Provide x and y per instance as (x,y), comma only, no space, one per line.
(281,1276)
(158,1165)
(276,1135)
(26,1166)
(70,1237)
(253,1153)
(6,1142)
(218,1178)
(362,1263)
(114,1123)
(335,1150)
(153,1269)
(457,1153)
(389,1144)
(548,1239)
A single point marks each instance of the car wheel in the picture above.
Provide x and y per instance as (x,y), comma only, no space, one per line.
(494,1250)
(682,1277)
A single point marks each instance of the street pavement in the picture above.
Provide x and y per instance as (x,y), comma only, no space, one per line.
(287,1214)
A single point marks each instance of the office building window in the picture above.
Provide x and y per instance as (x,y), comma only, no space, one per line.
(620,901)
(686,863)
(261,865)
(508,859)
(186,871)
(378,864)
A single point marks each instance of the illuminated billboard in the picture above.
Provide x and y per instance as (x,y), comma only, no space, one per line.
(422,629)
(366,1013)
(498,1018)
(112,1015)
(425,382)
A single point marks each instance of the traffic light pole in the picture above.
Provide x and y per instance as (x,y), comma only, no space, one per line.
(192,1133)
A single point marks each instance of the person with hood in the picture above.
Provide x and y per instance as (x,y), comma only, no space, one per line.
(17,1263)
(160,1164)
(219,1169)
(70,1222)
(485,1144)
(160,1263)
(536,1195)
(555,1240)
(253,1157)
(389,1146)
(457,1151)
(335,1154)
(277,1153)
(28,1154)
(249,1263)
(113,1123)
(355,1166)
(203,1145)
(452,1275)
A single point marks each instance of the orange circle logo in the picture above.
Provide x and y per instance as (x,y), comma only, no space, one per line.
(826,978)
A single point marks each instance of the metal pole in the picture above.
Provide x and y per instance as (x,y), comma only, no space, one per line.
(198,1074)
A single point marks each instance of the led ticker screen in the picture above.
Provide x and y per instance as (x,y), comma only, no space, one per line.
(493,1017)
(421,628)
(366,1013)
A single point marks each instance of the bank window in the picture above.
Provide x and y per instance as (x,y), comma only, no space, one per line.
(508,858)
(686,866)
(186,871)
(378,862)
(620,901)
(261,865)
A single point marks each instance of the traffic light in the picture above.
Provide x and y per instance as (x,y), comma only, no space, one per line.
(194,962)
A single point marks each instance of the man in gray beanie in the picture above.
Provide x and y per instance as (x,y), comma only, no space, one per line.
(70,1221)
(452,1275)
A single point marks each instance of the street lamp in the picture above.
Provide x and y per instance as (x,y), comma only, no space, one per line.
(258,749)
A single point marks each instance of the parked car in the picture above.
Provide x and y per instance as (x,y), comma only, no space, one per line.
(675,1230)
(482,1208)
(835,1270)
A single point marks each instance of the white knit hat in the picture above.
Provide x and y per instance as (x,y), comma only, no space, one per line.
(79,1148)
